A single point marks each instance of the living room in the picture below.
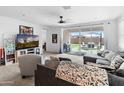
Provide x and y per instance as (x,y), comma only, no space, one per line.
(61,46)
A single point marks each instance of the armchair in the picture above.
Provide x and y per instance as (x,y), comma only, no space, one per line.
(28,64)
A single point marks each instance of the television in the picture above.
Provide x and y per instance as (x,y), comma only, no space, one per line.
(24,41)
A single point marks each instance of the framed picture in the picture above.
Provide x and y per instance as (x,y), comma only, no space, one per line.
(54,38)
(25,30)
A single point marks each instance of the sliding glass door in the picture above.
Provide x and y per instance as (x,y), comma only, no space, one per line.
(87,39)
(92,41)
(75,41)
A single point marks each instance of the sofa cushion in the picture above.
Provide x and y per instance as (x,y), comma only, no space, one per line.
(115,80)
(117,61)
(120,72)
(103,62)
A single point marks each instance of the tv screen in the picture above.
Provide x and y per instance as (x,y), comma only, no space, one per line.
(24,41)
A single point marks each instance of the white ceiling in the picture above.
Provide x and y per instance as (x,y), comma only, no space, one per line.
(49,15)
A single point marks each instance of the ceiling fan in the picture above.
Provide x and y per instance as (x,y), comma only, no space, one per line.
(61,20)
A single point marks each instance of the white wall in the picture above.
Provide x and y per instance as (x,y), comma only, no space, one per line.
(121,33)
(53,47)
(44,36)
(9,27)
(111,37)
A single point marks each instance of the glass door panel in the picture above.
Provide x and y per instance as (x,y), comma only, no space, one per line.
(75,41)
(92,41)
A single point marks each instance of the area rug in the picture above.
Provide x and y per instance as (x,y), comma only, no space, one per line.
(10,76)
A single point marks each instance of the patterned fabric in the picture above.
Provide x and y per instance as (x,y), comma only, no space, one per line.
(117,61)
(82,75)
(122,66)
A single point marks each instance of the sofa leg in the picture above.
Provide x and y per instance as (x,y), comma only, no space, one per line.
(23,77)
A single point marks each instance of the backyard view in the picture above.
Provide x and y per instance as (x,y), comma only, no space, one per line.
(86,42)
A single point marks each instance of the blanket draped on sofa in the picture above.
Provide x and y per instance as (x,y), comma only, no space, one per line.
(84,75)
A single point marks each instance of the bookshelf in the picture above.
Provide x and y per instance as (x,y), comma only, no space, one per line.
(9,47)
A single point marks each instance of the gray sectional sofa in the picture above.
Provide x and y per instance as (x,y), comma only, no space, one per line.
(45,74)
(116,77)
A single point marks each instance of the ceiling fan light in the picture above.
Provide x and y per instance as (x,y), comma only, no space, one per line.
(61,21)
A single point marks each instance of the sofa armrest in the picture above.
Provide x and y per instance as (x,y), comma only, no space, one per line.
(89,59)
(115,80)
(45,76)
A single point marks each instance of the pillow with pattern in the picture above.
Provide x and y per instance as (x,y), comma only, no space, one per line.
(110,56)
(122,66)
(117,61)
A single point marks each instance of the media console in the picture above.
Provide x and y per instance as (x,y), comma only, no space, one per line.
(36,50)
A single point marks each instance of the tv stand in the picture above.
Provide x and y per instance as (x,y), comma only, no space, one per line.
(31,51)
(36,50)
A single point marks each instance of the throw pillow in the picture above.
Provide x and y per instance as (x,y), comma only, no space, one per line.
(52,58)
(52,64)
(122,66)
(103,62)
(110,56)
(117,61)
(104,53)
